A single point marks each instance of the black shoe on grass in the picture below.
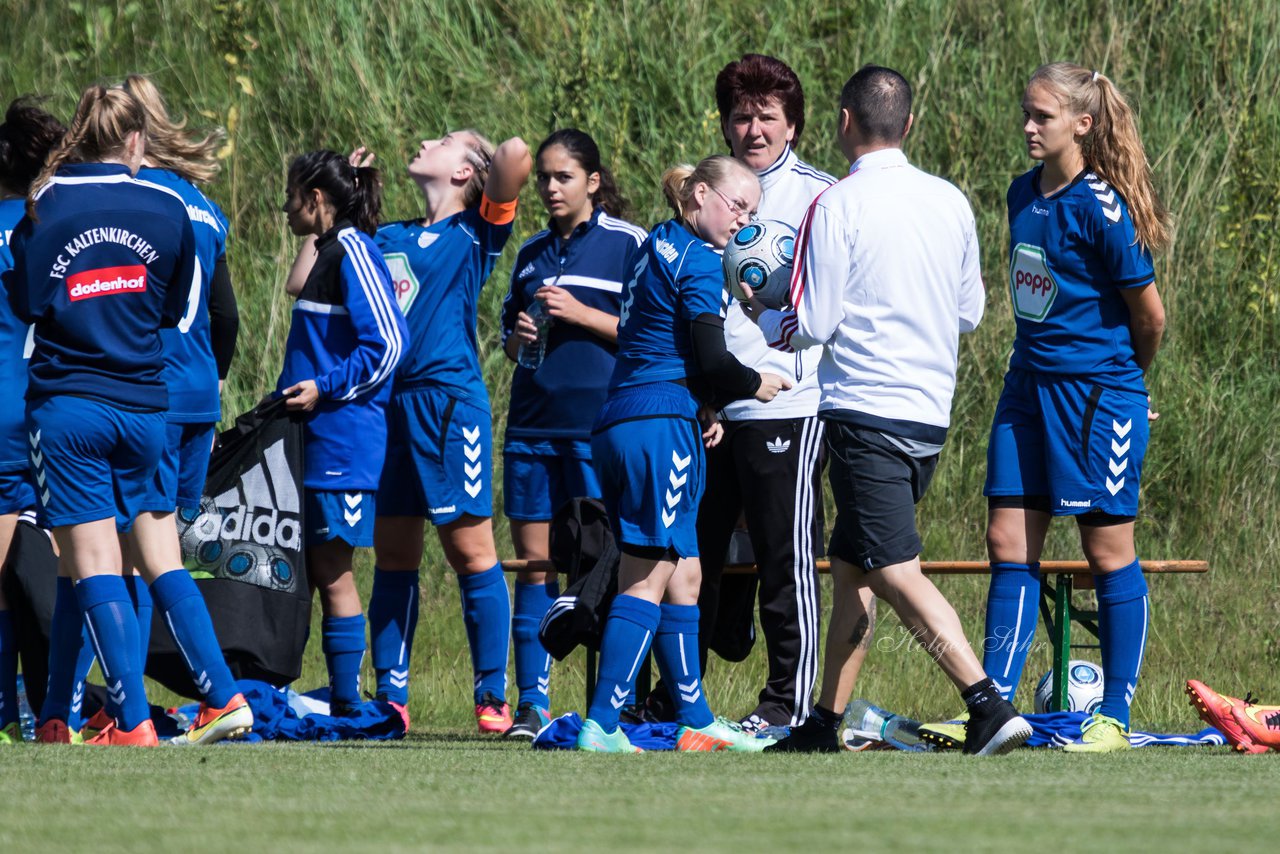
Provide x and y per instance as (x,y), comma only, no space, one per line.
(995,728)
(812,736)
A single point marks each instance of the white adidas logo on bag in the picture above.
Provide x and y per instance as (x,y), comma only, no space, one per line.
(265,509)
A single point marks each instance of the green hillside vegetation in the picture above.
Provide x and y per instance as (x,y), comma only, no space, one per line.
(288,77)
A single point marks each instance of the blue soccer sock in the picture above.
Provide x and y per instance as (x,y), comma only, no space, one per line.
(141,597)
(8,670)
(393,617)
(486,613)
(1012,600)
(113,629)
(1122,633)
(628,634)
(675,646)
(187,617)
(70,658)
(533,662)
(343,641)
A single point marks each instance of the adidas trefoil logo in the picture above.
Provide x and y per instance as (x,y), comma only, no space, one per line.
(778,446)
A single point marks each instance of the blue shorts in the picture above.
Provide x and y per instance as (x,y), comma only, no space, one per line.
(1077,443)
(339,515)
(534,486)
(647,451)
(16,492)
(439,457)
(91,460)
(184,464)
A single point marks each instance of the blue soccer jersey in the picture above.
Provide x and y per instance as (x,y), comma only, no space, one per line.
(1070,254)
(14,350)
(109,262)
(189,368)
(561,398)
(677,277)
(438,271)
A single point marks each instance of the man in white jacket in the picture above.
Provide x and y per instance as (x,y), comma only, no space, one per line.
(886,279)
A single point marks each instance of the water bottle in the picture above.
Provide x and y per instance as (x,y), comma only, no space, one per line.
(26,718)
(862,720)
(530,355)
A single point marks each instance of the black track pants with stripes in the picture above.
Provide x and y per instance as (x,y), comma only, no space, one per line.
(768,471)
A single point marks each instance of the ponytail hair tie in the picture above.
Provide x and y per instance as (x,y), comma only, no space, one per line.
(1095,77)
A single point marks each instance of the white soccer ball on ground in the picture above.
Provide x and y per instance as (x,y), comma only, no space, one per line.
(761,254)
(1084,688)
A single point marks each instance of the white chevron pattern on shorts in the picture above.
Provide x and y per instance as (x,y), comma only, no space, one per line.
(473,466)
(1120,460)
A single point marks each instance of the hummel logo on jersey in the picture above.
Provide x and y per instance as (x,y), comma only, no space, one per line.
(107,280)
(526,272)
(269,489)
(667,250)
(1039,211)
(778,446)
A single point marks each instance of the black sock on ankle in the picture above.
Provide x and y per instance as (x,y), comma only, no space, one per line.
(825,717)
(980,696)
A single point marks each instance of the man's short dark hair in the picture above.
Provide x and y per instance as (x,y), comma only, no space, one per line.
(879,99)
(754,79)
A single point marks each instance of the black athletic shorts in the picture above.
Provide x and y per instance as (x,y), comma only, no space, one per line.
(876,487)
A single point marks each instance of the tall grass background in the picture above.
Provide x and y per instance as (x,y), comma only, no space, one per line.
(288,77)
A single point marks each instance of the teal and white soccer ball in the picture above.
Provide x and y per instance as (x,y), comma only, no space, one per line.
(761,254)
(1084,688)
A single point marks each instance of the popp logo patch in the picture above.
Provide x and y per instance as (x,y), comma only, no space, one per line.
(107,280)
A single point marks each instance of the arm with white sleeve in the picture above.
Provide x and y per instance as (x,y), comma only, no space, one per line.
(973,295)
(823,261)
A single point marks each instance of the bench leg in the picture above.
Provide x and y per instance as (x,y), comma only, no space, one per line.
(1061,637)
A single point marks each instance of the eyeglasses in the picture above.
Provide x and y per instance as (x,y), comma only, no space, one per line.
(738,209)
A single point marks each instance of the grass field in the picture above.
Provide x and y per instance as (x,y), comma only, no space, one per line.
(284,78)
(449,792)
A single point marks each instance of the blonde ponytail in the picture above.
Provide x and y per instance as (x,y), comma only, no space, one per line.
(100,130)
(169,144)
(679,182)
(677,187)
(1112,148)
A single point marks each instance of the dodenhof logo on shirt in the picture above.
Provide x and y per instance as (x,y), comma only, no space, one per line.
(402,279)
(1030,283)
(107,280)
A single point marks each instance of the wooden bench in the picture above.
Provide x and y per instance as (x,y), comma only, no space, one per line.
(1058,580)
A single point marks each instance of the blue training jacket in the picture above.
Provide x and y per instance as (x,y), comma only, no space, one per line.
(348,335)
(561,398)
(190,371)
(107,262)
(13,354)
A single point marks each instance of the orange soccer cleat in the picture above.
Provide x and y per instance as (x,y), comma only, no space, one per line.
(1218,712)
(143,735)
(213,725)
(1260,723)
(493,715)
(95,724)
(56,731)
